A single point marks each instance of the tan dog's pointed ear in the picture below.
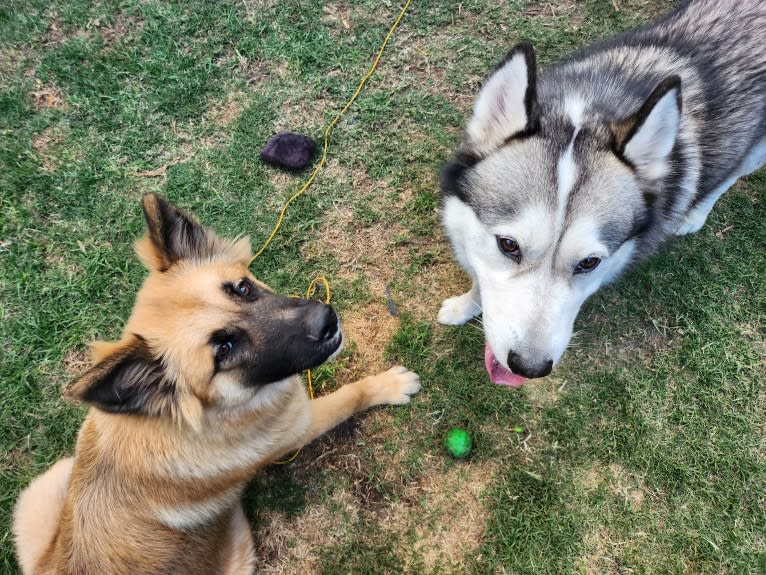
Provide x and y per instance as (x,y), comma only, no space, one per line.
(127,378)
(172,235)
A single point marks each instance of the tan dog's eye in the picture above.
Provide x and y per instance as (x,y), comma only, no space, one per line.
(245,288)
(223,350)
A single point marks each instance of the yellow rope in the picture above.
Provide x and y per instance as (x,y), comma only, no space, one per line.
(309,293)
(328,130)
(317,169)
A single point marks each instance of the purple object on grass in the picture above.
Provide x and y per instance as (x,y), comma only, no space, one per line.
(289,150)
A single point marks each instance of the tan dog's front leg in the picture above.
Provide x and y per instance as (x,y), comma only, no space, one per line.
(392,387)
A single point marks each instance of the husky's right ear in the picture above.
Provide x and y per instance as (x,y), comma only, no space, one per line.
(645,139)
(507,103)
(127,378)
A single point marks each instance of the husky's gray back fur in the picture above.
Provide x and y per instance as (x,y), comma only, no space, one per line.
(599,158)
(718,49)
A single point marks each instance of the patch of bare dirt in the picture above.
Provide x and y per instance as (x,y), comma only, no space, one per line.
(449,514)
(42,144)
(53,35)
(336,16)
(76,362)
(291,546)
(225,112)
(45,96)
(303,114)
(628,485)
(442,279)
(369,250)
(122,26)
(544,393)
(253,8)
(603,551)
(369,329)
(43,140)
(620,482)
(256,72)
(598,560)
(380,253)
(443,507)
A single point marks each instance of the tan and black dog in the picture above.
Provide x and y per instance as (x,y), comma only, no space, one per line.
(201,391)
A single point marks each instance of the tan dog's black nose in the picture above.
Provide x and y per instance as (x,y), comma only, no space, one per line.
(321,322)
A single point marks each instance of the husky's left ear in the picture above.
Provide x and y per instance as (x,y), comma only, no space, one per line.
(507,103)
(646,138)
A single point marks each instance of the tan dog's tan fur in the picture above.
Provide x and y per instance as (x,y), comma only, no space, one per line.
(159,491)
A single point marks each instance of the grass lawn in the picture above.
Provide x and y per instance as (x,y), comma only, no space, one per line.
(643,453)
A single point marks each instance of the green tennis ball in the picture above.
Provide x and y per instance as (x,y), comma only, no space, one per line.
(458,443)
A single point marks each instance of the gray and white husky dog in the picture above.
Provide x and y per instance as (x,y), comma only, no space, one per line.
(568,175)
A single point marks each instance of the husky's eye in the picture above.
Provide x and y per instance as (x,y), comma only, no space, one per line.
(223,350)
(509,247)
(587,265)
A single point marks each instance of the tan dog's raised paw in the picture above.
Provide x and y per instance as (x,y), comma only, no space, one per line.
(393,387)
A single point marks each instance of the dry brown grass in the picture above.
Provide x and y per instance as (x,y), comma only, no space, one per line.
(449,515)
(443,510)
(620,483)
(44,143)
(47,96)
(122,26)
(225,111)
(76,362)
(291,546)
(441,505)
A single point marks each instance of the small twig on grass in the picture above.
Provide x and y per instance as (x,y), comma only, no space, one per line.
(533,475)
(323,455)
(719,234)
(161,171)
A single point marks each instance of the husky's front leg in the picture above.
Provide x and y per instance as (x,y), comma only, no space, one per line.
(459,309)
(392,387)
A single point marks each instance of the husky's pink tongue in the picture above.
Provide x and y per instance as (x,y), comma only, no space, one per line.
(497,373)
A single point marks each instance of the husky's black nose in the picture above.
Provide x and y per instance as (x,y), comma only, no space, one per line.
(529,368)
(321,322)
